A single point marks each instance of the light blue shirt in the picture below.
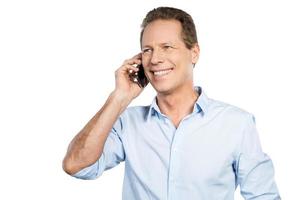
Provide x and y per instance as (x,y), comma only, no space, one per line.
(213,150)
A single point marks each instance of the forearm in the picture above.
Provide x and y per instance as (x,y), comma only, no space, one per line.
(87,145)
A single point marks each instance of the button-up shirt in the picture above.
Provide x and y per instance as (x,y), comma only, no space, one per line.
(213,150)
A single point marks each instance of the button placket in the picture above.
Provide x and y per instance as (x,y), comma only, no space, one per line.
(174,163)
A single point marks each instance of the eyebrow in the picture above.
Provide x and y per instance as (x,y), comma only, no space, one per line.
(146,46)
(160,44)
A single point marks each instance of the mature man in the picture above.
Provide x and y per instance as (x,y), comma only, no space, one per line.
(182,146)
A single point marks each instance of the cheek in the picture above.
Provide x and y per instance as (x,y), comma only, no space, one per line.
(182,61)
(145,61)
(184,67)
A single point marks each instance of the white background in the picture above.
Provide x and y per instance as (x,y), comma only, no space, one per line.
(57,63)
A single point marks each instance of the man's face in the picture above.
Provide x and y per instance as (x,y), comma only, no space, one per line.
(167,62)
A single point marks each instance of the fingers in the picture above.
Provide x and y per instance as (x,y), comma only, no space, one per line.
(129,66)
(137,59)
(132,61)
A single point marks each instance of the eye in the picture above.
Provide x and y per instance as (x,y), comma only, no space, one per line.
(146,50)
(166,47)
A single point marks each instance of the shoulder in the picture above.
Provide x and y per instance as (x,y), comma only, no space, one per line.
(131,117)
(135,112)
(230,112)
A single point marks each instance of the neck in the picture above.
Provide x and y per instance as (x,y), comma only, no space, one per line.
(178,104)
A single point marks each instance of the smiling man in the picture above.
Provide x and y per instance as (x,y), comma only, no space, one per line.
(182,146)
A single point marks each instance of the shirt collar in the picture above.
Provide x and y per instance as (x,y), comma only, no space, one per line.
(201,104)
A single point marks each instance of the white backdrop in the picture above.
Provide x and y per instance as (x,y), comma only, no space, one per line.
(57,63)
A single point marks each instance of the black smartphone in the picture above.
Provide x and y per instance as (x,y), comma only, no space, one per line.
(139,77)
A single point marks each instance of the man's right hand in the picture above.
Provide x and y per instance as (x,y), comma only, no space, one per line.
(124,87)
(87,146)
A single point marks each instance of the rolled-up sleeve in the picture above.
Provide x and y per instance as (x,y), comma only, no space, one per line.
(255,171)
(113,153)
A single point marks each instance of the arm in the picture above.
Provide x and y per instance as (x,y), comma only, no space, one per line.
(255,171)
(87,146)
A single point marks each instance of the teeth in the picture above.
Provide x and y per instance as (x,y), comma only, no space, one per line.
(161,73)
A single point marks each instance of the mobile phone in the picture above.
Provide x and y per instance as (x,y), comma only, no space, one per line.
(139,77)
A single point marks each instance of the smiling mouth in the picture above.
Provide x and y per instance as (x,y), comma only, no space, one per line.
(162,72)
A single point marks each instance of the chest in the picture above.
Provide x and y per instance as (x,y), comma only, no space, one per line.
(191,153)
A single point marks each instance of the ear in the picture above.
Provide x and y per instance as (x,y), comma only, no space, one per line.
(195,52)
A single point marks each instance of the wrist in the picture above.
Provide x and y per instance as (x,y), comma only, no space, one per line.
(120,98)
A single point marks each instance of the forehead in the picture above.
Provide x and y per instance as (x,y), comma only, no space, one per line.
(162,31)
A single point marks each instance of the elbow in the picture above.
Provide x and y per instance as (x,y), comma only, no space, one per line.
(68,167)
(71,166)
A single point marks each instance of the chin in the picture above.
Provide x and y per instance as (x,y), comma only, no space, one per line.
(162,88)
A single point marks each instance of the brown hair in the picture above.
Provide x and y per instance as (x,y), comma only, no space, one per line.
(189,34)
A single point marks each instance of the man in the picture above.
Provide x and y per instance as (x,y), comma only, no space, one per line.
(184,145)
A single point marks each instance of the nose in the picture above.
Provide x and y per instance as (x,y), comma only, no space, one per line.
(157,57)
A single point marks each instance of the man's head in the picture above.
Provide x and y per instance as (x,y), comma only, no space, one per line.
(169,49)
(189,34)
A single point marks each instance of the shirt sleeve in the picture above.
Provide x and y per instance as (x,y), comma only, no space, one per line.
(255,171)
(113,153)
